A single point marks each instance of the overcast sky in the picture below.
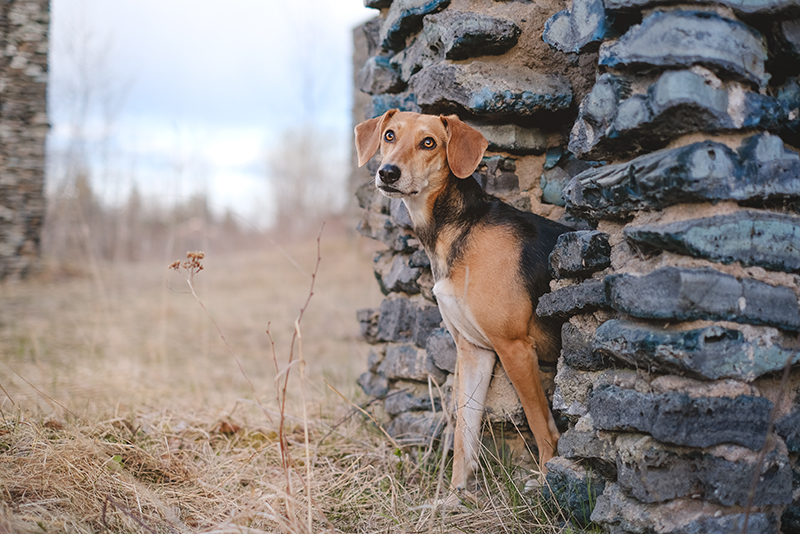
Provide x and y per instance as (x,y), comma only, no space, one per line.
(196,93)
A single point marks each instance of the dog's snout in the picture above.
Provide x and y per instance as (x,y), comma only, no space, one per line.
(389,174)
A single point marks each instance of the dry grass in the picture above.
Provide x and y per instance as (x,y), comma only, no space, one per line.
(122,409)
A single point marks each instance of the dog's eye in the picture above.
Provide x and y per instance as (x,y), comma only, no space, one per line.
(389,136)
(428,143)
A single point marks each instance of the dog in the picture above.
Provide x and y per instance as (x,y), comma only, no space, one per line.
(489,263)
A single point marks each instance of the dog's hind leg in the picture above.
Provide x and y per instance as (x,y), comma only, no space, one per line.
(475,366)
(522,366)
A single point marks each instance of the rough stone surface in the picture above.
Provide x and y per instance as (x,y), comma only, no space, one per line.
(687,294)
(742,7)
(455,35)
(577,349)
(618,513)
(512,138)
(679,102)
(378,75)
(579,298)
(442,349)
(573,29)
(407,362)
(653,472)
(395,274)
(788,427)
(579,254)
(762,170)
(380,104)
(427,321)
(396,320)
(373,384)
(416,428)
(710,353)
(411,397)
(368,324)
(497,176)
(24,126)
(404,18)
(769,240)
(680,39)
(490,90)
(677,418)
(573,488)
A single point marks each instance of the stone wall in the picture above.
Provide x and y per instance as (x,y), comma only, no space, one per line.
(23,128)
(667,136)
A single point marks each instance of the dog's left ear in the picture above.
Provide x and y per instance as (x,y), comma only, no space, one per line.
(465,146)
(368,136)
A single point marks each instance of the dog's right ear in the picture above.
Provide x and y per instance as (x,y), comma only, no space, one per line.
(368,136)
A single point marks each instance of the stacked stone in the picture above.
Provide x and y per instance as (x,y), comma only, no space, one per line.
(679,294)
(23,128)
(681,307)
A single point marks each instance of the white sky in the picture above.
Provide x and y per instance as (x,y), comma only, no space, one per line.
(199,91)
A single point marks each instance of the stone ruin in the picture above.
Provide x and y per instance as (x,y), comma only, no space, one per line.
(666,134)
(23,129)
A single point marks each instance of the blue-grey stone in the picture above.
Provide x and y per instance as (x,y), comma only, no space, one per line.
(579,254)
(741,7)
(680,39)
(490,90)
(404,361)
(573,487)
(512,138)
(585,297)
(788,427)
(710,353)
(373,384)
(404,19)
(765,239)
(763,170)
(551,183)
(611,125)
(379,76)
(442,350)
(680,419)
(394,273)
(396,321)
(399,214)
(787,33)
(497,175)
(618,513)
(574,29)
(377,4)
(653,472)
(410,397)
(368,324)
(427,321)
(380,104)
(577,349)
(416,428)
(680,294)
(552,157)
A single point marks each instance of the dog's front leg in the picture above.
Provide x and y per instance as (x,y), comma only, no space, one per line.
(475,366)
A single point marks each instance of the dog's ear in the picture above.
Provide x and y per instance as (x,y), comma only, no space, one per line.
(368,136)
(465,146)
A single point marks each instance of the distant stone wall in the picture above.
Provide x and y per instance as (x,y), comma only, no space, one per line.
(23,129)
(667,135)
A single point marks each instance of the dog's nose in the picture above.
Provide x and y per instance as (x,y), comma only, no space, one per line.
(389,174)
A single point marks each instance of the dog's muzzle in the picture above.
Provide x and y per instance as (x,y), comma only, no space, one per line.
(389,174)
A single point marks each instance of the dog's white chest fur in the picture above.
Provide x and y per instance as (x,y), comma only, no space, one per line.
(458,316)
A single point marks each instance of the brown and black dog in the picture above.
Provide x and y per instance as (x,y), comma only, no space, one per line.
(489,263)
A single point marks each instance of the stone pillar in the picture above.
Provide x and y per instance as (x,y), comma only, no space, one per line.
(23,128)
(666,135)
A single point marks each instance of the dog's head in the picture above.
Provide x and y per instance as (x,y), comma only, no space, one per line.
(418,152)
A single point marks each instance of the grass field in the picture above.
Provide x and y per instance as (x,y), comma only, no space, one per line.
(128,405)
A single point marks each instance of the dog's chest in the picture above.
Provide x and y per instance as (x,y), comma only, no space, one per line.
(457,315)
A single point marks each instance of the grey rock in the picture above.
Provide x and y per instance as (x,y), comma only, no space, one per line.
(419,259)
(512,138)
(579,254)
(577,349)
(764,239)
(374,384)
(404,19)
(689,294)
(456,35)
(788,428)
(584,442)
(416,428)
(428,319)
(680,39)
(379,227)
(762,170)
(710,353)
(679,419)
(380,104)
(573,488)
(552,183)
(407,362)
(442,350)
(375,358)
(399,214)
(619,514)
(497,175)
(585,297)
(397,319)
(573,29)
(741,7)
(410,397)
(653,472)
(368,324)
(394,274)
(378,75)
(377,4)
(679,102)
(787,33)
(490,90)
